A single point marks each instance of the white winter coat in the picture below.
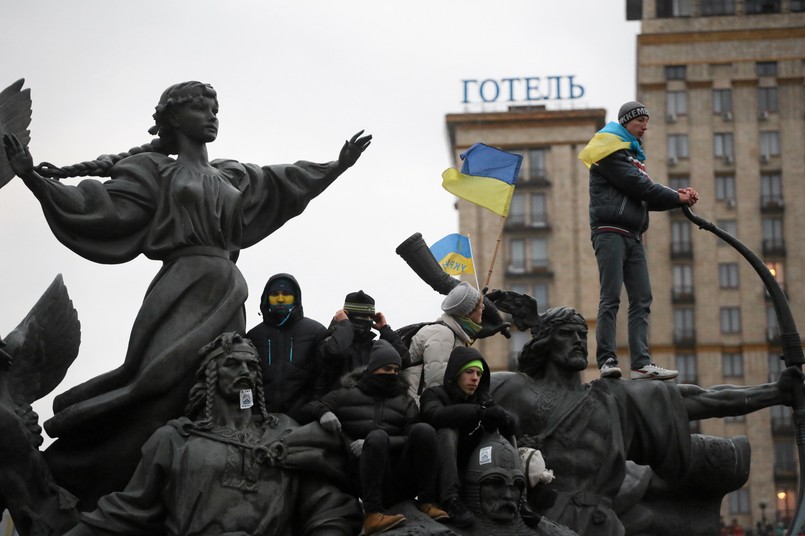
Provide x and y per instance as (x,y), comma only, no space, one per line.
(430,350)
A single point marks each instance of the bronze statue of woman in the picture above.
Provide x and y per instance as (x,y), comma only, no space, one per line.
(194,216)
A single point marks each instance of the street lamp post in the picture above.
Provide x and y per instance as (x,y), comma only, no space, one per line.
(763,528)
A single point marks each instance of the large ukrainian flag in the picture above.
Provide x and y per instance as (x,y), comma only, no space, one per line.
(453,254)
(486,178)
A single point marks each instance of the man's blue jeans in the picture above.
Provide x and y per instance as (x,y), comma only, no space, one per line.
(622,262)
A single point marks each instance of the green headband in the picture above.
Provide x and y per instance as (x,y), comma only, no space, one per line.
(476,363)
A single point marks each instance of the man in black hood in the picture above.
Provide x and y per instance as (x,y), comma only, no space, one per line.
(287,344)
(460,410)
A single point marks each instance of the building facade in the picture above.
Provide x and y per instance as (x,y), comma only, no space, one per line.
(724,81)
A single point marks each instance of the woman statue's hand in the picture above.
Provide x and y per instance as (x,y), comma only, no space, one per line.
(19,157)
(352,149)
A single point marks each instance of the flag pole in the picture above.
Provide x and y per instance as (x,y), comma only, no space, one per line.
(495,254)
(474,271)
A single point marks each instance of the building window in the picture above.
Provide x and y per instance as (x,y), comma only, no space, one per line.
(769,144)
(758,7)
(781,419)
(536,164)
(676,103)
(684,330)
(723,146)
(717,7)
(539,254)
(730,320)
(732,419)
(683,281)
(772,326)
(677,146)
(676,183)
(517,210)
(681,245)
(797,5)
(516,343)
(722,101)
(784,460)
(732,364)
(517,256)
(725,188)
(773,241)
(765,68)
(541,295)
(675,72)
(767,99)
(771,190)
(776,269)
(539,217)
(739,501)
(728,275)
(729,226)
(674,8)
(686,365)
(776,366)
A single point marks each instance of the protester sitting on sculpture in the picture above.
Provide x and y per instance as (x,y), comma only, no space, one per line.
(193,215)
(461,409)
(348,341)
(430,347)
(228,469)
(587,431)
(287,342)
(392,454)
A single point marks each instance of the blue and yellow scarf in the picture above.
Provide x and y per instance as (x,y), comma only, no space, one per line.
(613,137)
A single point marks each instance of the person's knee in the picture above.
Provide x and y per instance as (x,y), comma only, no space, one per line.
(376,439)
(423,434)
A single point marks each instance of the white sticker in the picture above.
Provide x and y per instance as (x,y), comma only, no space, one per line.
(246,399)
(485,456)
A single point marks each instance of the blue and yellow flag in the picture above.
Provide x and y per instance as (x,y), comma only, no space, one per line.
(613,137)
(486,178)
(453,254)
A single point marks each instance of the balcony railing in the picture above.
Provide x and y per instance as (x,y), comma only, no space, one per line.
(685,337)
(683,294)
(774,246)
(681,250)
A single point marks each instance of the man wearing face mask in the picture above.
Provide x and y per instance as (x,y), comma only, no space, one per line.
(287,343)
(349,339)
(391,451)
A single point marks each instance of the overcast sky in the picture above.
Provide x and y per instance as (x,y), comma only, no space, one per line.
(294,80)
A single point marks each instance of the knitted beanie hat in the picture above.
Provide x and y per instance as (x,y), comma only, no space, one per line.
(461,300)
(281,284)
(631,110)
(382,354)
(359,303)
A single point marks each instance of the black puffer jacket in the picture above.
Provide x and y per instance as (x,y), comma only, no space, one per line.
(288,353)
(622,193)
(363,406)
(446,406)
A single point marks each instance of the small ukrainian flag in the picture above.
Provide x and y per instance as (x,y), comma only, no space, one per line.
(454,255)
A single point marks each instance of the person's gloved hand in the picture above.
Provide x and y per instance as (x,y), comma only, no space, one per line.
(330,422)
(495,417)
(356,447)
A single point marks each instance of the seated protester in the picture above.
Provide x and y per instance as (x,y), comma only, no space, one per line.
(460,410)
(459,325)
(287,343)
(391,451)
(349,339)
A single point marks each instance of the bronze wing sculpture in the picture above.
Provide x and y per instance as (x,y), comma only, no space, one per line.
(34,359)
(15,116)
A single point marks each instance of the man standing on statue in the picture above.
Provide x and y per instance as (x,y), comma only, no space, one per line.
(621,196)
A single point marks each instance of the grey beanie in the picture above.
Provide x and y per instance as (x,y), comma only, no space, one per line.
(461,300)
(631,110)
(382,354)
